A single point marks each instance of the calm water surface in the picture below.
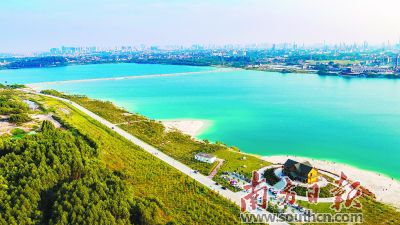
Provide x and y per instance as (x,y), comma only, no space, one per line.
(22,76)
(354,121)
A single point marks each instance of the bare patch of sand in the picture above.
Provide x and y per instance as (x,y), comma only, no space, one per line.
(190,127)
(386,189)
(42,117)
(6,127)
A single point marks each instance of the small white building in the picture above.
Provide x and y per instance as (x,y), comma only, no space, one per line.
(204,157)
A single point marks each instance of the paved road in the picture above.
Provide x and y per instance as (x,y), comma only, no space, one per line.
(209,183)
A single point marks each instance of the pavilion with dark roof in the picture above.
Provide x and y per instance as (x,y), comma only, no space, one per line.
(303,172)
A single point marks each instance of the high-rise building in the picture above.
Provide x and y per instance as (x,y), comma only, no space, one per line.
(365,45)
(273,47)
(54,51)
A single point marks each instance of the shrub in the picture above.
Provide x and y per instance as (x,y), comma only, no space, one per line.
(270,176)
(17,131)
(16,86)
(20,118)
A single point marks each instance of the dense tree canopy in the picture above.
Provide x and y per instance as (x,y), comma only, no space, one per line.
(19,118)
(10,104)
(52,177)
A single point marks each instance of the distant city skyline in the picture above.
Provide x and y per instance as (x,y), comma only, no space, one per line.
(38,25)
(360,45)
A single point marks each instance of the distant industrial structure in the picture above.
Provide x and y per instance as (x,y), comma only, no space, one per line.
(366,70)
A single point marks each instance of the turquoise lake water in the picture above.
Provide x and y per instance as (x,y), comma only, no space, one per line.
(34,75)
(354,121)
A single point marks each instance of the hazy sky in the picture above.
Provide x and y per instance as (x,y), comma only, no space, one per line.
(29,25)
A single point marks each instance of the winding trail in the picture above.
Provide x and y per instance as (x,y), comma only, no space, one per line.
(206,181)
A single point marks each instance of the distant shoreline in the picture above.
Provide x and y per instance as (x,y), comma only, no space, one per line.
(220,66)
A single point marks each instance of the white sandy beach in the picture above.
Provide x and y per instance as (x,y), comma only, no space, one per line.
(191,127)
(386,189)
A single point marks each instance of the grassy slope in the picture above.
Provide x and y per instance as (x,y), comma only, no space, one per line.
(179,146)
(188,201)
(239,162)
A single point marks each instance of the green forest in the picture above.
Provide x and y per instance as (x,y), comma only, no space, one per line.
(11,104)
(54,177)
